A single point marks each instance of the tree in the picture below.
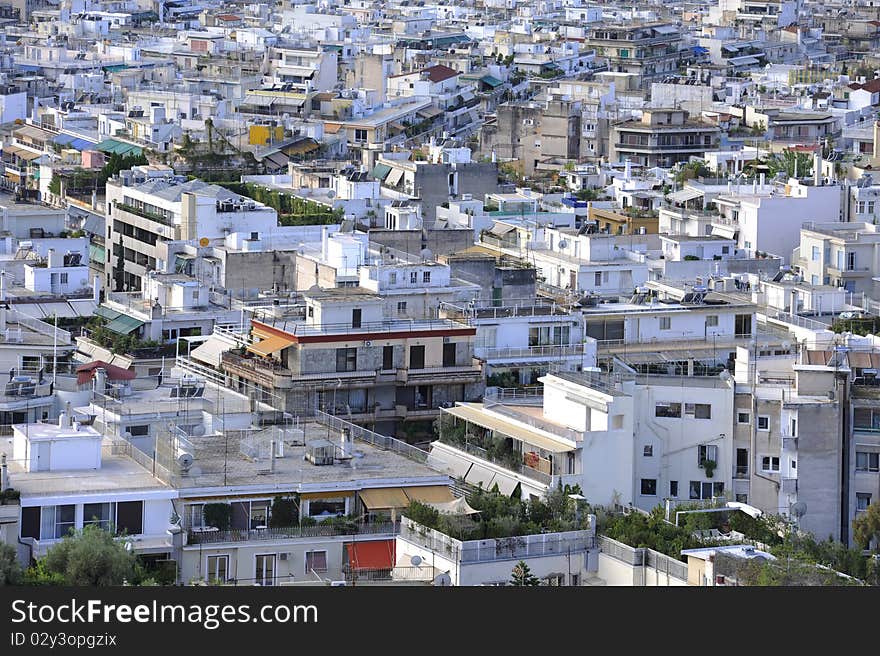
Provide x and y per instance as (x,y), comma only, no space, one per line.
(791,163)
(522,575)
(91,556)
(691,170)
(867,526)
(10,569)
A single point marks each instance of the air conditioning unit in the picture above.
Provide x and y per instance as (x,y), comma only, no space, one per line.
(719,579)
(283,556)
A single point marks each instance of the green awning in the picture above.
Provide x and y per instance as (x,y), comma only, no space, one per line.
(380,171)
(97,254)
(120,148)
(107,313)
(124,324)
(491,81)
(115,68)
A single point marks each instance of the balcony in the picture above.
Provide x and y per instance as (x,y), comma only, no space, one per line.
(210,535)
(849,272)
(383,329)
(789,443)
(741,472)
(660,148)
(144,214)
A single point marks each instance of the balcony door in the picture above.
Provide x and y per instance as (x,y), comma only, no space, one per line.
(265,566)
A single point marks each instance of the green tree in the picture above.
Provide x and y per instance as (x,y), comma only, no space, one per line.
(790,162)
(11,572)
(90,557)
(522,575)
(691,170)
(867,526)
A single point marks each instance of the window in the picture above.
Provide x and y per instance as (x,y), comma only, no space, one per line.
(259,514)
(346,359)
(139,431)
(217,569)
(326,507)
(648,450)
(665,323)
(673,488)
(742,498)
(598,279)
(698,410)
(413,277)
(98,514)
(426,276)
(867,462)
(63,278)
(356,318)
(707,452)
(56,521)
(401,307)
(392,278)
(649,487)
(548,335)
(742,463)
(130,517)
(815,253)
(770,463)
(667,410)
(316,561)
(711,320)
(197,515)
(360,135)
(705,490)
(743,325)
(764,423)
(265,569)
(387,357)
(743,417)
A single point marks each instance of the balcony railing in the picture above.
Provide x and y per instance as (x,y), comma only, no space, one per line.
(423,574)
(741,471)
(213,536)
(390,325)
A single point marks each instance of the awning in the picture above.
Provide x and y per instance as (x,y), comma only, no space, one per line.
(375,554)
(95,225)
(474,414)
(394,177)
(124,324)
(429,494)
(22,153)
(84,307)
(683,195)
(429,112)
(86,372)
(106,313)
(728,232)
(382,498)
(380,171)
(119,147)
(480,476)
(210,352)
(62,310)
(491,81)
(270,345)
(501,228)
(447,462)
(300,147)
(859,360)
(506,484)
(454,507)
(97,254)
(329,494)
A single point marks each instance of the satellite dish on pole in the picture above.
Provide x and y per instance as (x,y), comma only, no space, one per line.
(798,509)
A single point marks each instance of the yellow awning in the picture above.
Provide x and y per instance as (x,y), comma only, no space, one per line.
(386,497)
(269,345)
(330,494)
(474,413)
(429,494)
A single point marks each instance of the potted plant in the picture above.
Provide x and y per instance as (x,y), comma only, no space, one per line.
(709,467)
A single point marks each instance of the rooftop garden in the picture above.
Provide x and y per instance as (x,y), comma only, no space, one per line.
(291,210)
(801,552)
(501,516)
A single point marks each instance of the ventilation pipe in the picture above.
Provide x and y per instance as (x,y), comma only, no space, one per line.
(272,456)
(4,474)
(100,380)
(817,167)
(324,244)
(96,289)
(345,443)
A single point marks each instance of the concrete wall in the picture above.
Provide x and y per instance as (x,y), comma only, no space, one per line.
(818,468)
(439,242)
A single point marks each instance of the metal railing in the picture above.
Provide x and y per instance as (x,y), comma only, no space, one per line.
(208,536)
(548,351)
(410,325)
(517,395)
(508,464)
(37,326)
(375,439)
(422,574)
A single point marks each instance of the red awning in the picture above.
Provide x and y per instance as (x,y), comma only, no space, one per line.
(86,372)
(377,554)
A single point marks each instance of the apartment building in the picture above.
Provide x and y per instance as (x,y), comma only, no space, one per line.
(668,437)
(661,137)
(303,69)
(149,204)
(649,50)
(532,132)
(338,352)
(839,254)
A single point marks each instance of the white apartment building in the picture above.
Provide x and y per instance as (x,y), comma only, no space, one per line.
(839,254)
(149,204)
(767,218)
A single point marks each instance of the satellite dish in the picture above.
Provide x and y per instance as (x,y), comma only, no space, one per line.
(416,561)
(331,194)
(442,579)
(798,509)
(724,375)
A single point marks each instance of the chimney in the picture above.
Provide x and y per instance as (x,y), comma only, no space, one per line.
(817,167)
(345,443)
(324,245)
(763,175)
(96,289)
(69,413)
(53,259)
(100,380)
(4,474)
(2,286)
(272,456)
(627,169)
